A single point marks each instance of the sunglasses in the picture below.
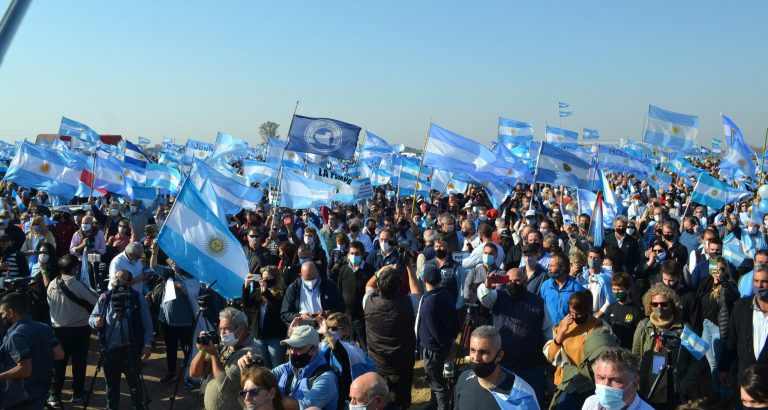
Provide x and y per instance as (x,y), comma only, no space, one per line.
(252,236)
(657,250)
(660,304)
(253,392)
(334,328)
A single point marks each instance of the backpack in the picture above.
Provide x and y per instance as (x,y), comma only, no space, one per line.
(323,368)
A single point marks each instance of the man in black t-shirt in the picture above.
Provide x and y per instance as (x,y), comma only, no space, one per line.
(487,385)
(624,314)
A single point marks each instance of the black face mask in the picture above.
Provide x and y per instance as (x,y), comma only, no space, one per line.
(553,274)
(621,231)
(270,282)
(441,253)
(515,290)
(483,370)
(580,320)
(300,360)
(354,229)
(669,237)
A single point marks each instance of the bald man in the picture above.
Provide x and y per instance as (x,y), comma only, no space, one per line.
(310,296)
(369,391)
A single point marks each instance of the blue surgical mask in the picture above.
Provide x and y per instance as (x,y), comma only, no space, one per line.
(610,398)
(304,260)
(488,259)
(356,259)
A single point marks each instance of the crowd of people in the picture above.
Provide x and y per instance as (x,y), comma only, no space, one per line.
(511,307)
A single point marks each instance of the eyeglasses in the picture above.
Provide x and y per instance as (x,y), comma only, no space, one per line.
(252,236)
(660,304)
(253,392)
(334,328)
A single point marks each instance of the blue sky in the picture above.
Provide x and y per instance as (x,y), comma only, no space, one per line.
(187,69)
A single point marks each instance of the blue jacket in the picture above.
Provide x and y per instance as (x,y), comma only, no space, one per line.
(556,299)
(324,392)
(437,325)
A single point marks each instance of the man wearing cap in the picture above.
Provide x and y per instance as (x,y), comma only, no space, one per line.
(436,327)
(307,379)
(63,230)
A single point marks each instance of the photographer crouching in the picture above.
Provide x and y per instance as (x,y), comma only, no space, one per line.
(224,348)
(122,320)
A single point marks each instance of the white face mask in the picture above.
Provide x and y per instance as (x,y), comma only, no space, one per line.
(310,283)
(657,218)
(752,230)
(385,246)
(309,240)
(360,406)
(114,212)
(86,227)
(228,339)
(43,259)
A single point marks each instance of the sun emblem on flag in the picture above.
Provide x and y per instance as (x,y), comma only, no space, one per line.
(567,168)
(742,163)
(127,172)
(675,130)
(215,245)
(451,186)
(120,178)
(653,177)
(510,172)
(418,185)
(201,154)
(45,167)
(626,161)
(512,131)
(714,192)
(559,138)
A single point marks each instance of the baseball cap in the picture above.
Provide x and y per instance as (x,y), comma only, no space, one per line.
(431,274)
(301,336)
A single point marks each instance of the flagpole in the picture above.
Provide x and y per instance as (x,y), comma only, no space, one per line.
(765,146)
(418,176)
(535,174)
(280,169)
(93,175)
(685,211)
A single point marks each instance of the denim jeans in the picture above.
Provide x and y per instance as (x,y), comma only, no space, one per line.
(272,352)
(711,334)
(433,368)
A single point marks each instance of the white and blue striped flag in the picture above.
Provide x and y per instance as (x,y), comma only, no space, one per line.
(717,144)
(669,129)
(201,244)
(738,161)
(144,141)
(732,250)
(696,345)
(558,167)
(228,145)
(715,193)
(590,134)
(560,135)
(513,133)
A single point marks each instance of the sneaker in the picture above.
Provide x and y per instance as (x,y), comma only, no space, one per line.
(54,400)
(78,398)
(168,377)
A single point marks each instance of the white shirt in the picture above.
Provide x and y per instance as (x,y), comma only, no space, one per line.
(309,299)
(759,328)
(365,240)
(121,262)
(593,404)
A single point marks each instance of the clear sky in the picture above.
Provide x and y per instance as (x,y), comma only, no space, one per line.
(190,68)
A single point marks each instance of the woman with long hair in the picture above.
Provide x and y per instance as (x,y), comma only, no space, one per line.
(262,301)
(38,233)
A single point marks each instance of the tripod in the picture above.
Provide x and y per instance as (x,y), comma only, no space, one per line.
(463,348)
(668,373)
(136,396)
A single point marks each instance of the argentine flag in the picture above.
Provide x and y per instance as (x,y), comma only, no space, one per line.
(559,167)
(590,134)
(660,180)
(513,133)
(715,193)
(228,145)
(452,152)
(257,172)
(45,169)
(596,230)
(197,150)
(669,129)
(696,345)
(738,161)
(202,245)
(300,192)
(380,177)
(80,131)
(167,178)
(560,135)
(717,144)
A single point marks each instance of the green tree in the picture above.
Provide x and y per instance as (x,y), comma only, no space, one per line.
(268,130)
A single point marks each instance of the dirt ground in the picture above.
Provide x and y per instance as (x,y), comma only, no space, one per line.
(186,399)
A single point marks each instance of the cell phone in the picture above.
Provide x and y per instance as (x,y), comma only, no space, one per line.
(712,267)
(308,322)
(500,279)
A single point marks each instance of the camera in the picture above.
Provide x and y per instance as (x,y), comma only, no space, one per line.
(210,336)
(94,258)
(120,296)
(256,361)
(669,339)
